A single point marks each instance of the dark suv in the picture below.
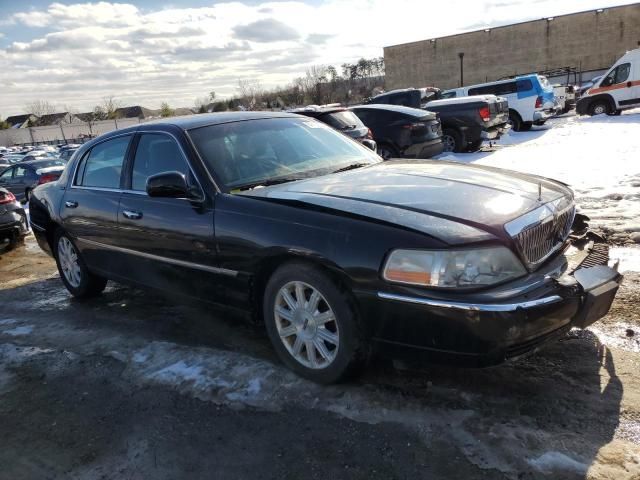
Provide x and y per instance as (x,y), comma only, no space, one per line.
(341,119)
(402,132)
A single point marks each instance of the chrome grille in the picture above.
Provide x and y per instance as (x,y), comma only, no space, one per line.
(538,240)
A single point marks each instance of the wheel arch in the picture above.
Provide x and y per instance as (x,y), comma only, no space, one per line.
(602,97)
(267,266)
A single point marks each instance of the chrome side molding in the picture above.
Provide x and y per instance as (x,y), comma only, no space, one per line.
(158,258)
(476,307)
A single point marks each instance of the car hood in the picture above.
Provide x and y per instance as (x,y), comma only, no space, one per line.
(453,202)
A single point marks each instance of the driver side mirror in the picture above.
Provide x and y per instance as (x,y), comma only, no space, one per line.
(171,185)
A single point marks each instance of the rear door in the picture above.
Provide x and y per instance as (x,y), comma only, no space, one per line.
(169,242)
(24,176)
(89,210)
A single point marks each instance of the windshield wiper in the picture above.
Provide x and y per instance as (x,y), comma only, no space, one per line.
(267,183)
(353,166)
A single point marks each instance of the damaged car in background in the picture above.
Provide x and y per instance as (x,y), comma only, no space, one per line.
(339,254)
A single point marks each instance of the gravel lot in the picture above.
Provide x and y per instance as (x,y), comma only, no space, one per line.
(135,385)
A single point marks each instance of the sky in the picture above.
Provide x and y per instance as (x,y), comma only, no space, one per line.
(146,52)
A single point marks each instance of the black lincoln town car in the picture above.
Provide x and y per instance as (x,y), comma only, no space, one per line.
(339,253)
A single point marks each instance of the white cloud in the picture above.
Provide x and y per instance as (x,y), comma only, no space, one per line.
(90,50)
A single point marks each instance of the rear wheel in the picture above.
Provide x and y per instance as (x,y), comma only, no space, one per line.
(312,324)
(452,140)
(387,152)
(599,107)
(515,121)
(73,271)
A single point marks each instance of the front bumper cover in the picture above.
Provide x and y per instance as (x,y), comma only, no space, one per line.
(503,324)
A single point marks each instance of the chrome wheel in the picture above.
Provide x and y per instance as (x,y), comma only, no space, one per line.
(449,143)
(68,258)
(599,109)
(306,325)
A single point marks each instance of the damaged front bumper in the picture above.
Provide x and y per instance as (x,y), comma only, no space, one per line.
(573,290)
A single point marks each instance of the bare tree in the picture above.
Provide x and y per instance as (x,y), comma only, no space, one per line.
(40,108)
(109,105)
(250,92)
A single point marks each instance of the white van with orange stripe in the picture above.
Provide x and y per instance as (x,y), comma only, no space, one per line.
(618,89)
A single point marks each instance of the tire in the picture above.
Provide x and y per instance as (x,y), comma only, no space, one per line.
(387,152)
(515,120)
(474,146)
(615,113)
(599,107)
(453,141)
(73,271)
(526,126)
(323,342)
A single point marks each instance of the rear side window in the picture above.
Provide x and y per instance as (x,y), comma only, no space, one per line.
(7,174)
(524,85)
(156,153)
(495,89)
(102,166)
(345,120)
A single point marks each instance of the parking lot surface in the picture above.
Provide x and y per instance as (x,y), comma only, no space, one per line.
(136,385)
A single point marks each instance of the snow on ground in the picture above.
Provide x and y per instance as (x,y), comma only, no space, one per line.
(597,156)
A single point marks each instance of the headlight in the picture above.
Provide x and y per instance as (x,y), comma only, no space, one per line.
(452,268)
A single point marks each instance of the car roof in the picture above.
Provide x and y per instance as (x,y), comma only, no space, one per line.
(317,111)
(189,122)
(35,163)
(416,112)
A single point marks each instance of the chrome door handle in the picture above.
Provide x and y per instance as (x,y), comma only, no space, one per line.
(71,204)
(131,215)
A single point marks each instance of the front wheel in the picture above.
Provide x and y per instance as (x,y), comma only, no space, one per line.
(599,107)
(73,271)
(312,324)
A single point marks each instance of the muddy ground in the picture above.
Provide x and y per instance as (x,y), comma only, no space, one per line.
(132,385)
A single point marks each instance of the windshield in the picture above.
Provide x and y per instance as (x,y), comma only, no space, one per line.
(267,150)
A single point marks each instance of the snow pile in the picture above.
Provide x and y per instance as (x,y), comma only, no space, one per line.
(597,156)
(550,462)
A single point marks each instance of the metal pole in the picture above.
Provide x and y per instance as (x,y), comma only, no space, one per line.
(461,55)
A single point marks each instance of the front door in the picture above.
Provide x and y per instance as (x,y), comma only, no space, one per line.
(169,241)
(89,210)
(618,83)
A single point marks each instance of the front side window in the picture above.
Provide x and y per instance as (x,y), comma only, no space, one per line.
(250,152)
(156,153)
(620,74)
(21,172)
(102,166)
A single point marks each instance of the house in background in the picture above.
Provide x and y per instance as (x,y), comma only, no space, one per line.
(135,111)
(22,121)
(61,118)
